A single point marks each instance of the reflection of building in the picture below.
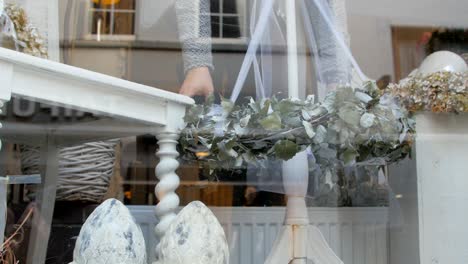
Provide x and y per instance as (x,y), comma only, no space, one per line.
(138,40)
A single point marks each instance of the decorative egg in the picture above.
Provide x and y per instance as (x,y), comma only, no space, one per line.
(443,61)
(195,237)
(110,235)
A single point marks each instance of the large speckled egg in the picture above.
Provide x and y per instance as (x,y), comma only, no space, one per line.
(110,235)
(195,237)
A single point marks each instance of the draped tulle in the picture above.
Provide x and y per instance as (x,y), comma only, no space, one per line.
(324,42)
(324,38)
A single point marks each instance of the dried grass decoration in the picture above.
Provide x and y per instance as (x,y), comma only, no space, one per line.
(440,92)
(26,37)
(351,126)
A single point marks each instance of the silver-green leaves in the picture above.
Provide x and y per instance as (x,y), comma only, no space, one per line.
(271,122)
(352,125)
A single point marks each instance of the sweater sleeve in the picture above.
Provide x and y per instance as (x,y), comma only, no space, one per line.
(193,18)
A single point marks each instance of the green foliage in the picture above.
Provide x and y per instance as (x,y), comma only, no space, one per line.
(351,126)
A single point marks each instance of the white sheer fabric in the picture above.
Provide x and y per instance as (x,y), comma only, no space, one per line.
(322,24)
(323,32)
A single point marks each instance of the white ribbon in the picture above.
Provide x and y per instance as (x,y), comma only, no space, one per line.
(265,12)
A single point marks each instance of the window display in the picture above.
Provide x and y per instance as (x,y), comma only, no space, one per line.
(232,131)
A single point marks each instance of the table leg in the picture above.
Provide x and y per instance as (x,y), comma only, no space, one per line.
(3,209)
(45,202)
(168,181)
(3,196)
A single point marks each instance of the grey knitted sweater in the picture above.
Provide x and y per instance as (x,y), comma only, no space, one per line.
(193,17)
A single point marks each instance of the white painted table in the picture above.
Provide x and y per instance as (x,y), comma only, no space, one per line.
(123,109)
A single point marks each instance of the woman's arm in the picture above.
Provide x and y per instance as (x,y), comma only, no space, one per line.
(193,17)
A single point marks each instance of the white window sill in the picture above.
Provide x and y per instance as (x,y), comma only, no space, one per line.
(123,38)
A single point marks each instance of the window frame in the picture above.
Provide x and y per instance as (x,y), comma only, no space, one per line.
(90,10)
(242,16)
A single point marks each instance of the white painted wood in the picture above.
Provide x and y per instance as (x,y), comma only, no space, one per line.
(118,102)
(298,242)
(60,84)
(3,189)
(6,71)
(168,181)
(3,208)
(293,69)
(130,108)
(45,203)
(251,232)
(166,169)
(441,156)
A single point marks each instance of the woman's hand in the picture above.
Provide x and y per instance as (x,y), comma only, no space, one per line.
(198,82)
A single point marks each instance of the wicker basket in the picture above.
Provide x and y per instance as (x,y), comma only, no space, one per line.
(84,171)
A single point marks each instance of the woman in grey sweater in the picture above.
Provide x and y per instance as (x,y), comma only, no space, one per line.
(193,18)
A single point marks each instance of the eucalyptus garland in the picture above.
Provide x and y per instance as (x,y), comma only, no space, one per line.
(437,92)
(351,126)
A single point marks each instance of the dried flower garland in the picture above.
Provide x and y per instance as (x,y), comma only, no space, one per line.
(351,126)
(439,92)
(28,38)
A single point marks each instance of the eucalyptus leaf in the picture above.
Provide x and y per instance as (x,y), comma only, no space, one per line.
(350,114)
(351,123)
(288,106)
(309,129)
(245,121)
(320,134)
(349,157)
(193,114)
(363,97)
(227,105)
(367,120)
(271,122)
(285,149)
(226,150)
(306,115)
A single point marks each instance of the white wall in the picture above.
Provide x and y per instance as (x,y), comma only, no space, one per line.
(370,24)
(371,44)
(448,13)
(156,20)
